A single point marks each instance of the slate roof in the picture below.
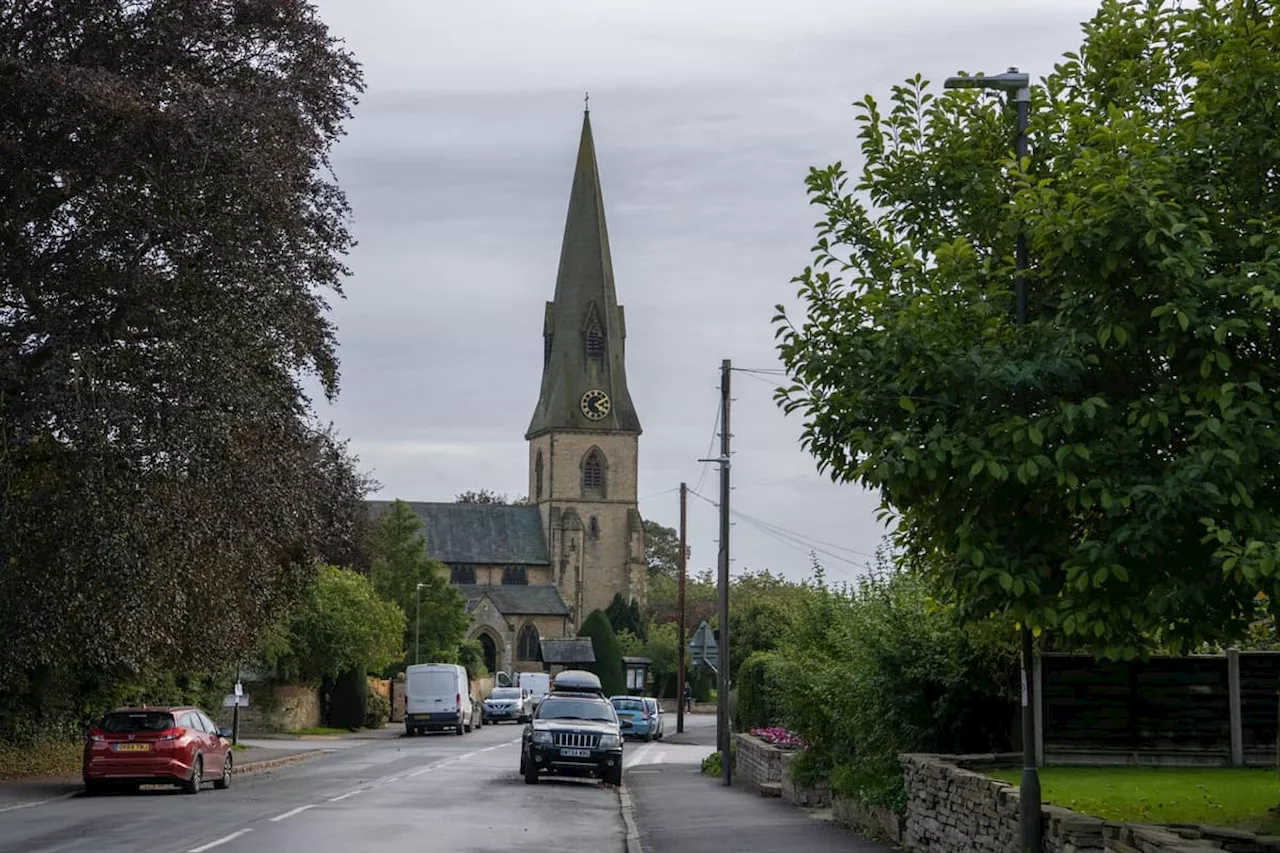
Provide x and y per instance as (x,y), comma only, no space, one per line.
(488,534)
(533,600)
(568,650)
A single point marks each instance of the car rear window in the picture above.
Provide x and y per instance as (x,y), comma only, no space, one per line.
(628,704)
(137,721)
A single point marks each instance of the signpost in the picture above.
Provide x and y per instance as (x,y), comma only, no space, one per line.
(703,650)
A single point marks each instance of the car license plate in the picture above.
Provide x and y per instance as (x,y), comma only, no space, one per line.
(132,747)
(575,753)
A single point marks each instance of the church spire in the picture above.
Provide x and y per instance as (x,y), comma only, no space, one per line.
(584,331)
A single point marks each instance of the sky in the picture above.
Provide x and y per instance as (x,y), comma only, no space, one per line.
(707,117)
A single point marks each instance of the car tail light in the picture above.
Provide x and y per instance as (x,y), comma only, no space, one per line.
(645,713)
(172,734)
(97,736)
(458,699)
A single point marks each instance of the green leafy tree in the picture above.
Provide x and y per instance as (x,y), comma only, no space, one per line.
(1107,471)
(663,650)
(661,551)
(608,665)
(484,496)
(437,613)
(170,236)
(342,625)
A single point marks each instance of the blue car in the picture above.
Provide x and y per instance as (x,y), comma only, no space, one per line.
(633,709)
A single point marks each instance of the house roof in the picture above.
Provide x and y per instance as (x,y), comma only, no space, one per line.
(568,650)
(487,534)
(533,600)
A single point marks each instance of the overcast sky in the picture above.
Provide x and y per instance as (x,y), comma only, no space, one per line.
(707,116)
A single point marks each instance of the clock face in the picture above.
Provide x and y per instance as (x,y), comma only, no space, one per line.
(595,404)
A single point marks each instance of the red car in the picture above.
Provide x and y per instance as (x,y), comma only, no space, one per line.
(157,746)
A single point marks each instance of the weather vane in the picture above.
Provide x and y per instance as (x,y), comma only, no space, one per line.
(586,101)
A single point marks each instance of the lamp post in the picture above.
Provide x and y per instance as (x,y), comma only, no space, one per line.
(1018,85)
(417,623)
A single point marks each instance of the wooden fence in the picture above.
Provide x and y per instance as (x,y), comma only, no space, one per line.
(1201,710)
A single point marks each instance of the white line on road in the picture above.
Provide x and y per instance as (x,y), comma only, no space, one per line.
(426,769)
(223,840)
(291,813)
(341,797)
(489,749)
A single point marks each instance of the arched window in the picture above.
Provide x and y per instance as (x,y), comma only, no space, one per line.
(515,576)
(593,528)
(537,476)
(595,342)
(593,472)
(528,647)
(462,574)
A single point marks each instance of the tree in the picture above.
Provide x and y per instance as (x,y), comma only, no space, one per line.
(661,550)
(1108,470)
(625,616)
(169,236)
(342,625)
(608,665)
(437,614)
(662,650)
(484,496)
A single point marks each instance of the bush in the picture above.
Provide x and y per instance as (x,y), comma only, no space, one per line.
(760,692)
(348,700)
(377,710)
(608,665)
(711,765)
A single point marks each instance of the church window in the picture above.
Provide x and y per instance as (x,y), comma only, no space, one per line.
(537,476)
(593,472)
(529,647)
(595,342)
(593,529)
(462,574)
(515,576)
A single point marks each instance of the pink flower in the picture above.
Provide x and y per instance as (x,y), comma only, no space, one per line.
(780,737)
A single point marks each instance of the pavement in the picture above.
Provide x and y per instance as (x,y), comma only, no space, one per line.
(670,807)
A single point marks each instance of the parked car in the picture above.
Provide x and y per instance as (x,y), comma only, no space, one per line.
(575,731)
(438,696)
(157,746)
(655,712)
(634,709)
(507,703)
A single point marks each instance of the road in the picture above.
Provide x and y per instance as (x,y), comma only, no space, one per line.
(439,792)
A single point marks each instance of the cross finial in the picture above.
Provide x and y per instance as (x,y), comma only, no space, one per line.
(586,102)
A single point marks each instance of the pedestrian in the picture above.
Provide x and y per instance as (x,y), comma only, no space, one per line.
(688,697)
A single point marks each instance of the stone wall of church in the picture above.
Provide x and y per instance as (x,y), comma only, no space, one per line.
(534,575)
(606,545)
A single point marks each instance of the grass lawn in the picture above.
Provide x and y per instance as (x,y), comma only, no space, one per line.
(49,758)
(1229,797)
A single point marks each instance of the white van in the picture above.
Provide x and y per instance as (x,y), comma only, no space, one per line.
(437,696)
(537,683)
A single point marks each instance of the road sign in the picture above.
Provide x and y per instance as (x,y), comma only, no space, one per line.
(239,689)
(231,700)
(703,650)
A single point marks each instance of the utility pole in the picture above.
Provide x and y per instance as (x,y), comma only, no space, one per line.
(680,624)
(1017,84)
(724,737)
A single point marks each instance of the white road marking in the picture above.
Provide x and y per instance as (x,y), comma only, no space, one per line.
(291,813)
(341,797)
(489,749)
(426,769)
(223,840)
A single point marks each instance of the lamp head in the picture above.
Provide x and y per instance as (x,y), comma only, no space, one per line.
(1012,80)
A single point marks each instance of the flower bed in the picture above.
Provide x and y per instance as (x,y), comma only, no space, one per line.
(780,738)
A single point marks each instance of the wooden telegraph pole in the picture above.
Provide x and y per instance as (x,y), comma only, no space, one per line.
(681,628)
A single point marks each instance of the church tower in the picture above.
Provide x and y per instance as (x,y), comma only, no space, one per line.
(584,435)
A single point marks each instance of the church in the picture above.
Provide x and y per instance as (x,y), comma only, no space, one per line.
(531,574)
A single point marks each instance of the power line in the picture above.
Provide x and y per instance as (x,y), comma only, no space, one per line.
(715,428)
(766,371)
(658,494)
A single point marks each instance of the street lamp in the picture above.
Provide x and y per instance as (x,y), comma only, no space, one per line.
(1018,85)
(417,622)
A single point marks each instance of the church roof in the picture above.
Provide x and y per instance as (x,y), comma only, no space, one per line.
(568,650)
(512,600)
(487,534)
(585,307)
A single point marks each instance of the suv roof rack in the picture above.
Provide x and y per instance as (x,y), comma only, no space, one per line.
(577,681)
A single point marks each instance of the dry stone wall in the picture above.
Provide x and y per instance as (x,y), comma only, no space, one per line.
(954,807)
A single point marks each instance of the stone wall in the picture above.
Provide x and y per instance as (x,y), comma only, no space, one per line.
(759,764)
(276,709)
(875,822)
(953,807)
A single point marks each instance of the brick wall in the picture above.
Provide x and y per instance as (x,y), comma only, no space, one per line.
(758,763)
(953,807)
